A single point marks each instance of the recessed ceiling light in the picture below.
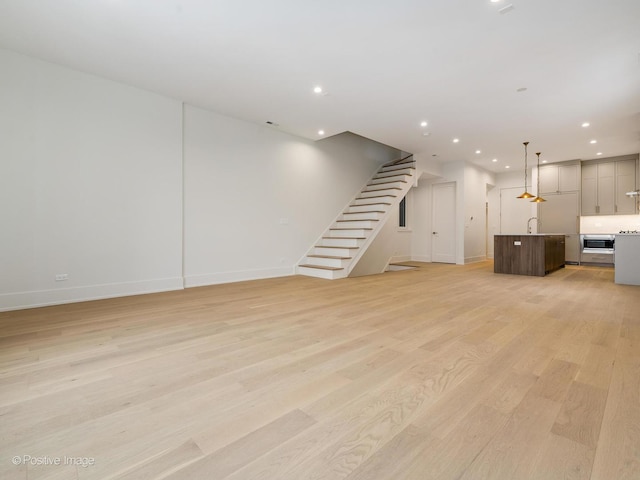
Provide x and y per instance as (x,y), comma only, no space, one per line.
(521,89)
(494,160)
(456,140)
(478,152)
(426,134)
(544,161)
(317,89)
(599,153)
(423,124)
(593,141)
(585,124)
(495,1)
(507,166)
(320,132)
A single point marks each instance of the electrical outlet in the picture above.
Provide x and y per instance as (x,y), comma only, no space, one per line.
(61,277)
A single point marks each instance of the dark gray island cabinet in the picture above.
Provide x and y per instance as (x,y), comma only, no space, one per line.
(534,254)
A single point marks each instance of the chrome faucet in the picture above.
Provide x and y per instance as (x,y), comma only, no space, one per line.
(529,223)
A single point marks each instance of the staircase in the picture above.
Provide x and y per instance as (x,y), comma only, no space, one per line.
(337,252)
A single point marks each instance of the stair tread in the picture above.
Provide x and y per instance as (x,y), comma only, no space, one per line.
(360,220)
(332,257)
(321,267)
(333,246)
(349,228)
(384,183)
(385,177)
(347,238)
(364,211)
(369,204)
(376,196)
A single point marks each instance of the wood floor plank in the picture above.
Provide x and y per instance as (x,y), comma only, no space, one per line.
(581,414)
(512,452)
(246,449)
(618,449)
(555,380)
(451,456)
(563,458)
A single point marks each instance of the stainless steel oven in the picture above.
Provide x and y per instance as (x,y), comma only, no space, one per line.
(597,249)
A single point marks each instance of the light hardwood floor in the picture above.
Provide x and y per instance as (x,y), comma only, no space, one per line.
(442,372)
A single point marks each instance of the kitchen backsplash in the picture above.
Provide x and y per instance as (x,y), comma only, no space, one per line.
(609,223)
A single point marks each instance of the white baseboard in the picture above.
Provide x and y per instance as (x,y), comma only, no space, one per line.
(398,259)
(421,258)
(479,258)
(43,298)
(237,276)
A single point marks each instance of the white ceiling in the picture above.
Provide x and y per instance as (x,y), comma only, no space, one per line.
(385,65)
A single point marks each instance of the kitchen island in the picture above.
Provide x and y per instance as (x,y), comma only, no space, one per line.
(532,254)
(627,259)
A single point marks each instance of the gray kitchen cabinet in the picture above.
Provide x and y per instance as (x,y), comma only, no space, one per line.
(560,177)
(560,214)
(605,183)
(599,188)
(625,182)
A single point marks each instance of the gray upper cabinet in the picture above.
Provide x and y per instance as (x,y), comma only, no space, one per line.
(625,182)
(604,185)
(558,178)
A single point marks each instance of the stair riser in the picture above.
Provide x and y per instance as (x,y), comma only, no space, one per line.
(327,262)
(361,216)
(357,224)
(383,193)
(340,242)
(352,232)
(394,178)
(392,173)
(326,274)
(312,272)
(335,252)
(384,186)
(366,208)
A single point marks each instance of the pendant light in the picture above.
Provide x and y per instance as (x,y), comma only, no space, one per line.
(538,199)
(525,194)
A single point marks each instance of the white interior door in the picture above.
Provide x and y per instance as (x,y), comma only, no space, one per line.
(443,236)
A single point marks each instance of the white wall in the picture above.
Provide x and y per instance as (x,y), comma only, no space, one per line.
(90,186)
(257,199)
